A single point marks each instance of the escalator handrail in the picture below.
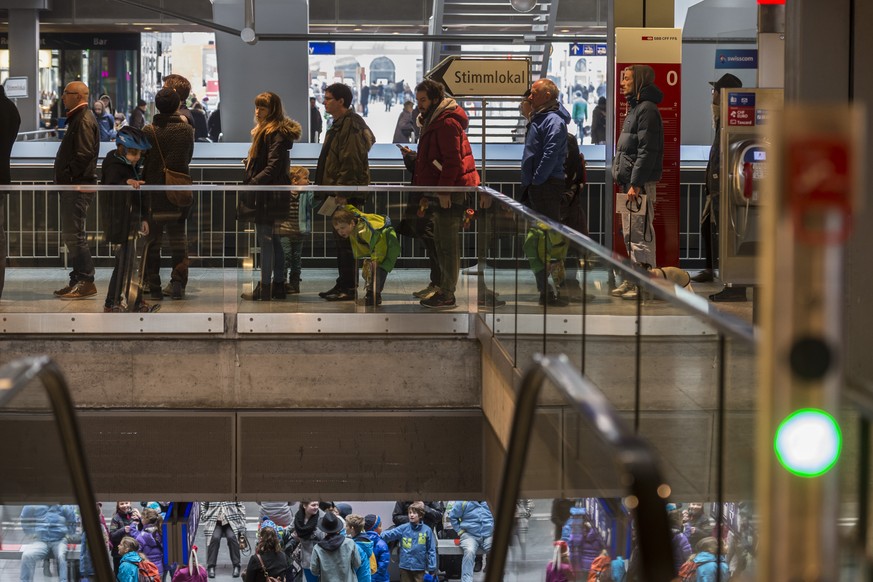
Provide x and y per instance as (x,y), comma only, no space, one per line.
(15,377)
(646,487)
(726,323)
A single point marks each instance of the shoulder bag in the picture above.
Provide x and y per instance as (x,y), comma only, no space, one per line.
(180,198)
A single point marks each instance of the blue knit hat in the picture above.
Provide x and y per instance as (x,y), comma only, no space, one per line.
(372,521)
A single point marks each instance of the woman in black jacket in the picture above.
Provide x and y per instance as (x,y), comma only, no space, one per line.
(172,142)
(268,162)
(268,558)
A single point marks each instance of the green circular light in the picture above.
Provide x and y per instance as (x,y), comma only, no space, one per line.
(808,442)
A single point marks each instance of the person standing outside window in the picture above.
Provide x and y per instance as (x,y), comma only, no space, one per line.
(637,166)
(344,162)
(444,158)
(76,163)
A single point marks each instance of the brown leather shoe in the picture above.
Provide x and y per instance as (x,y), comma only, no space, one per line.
(81,290)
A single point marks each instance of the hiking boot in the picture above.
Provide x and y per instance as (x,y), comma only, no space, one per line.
(621,289)
(439,301)
(427,292)
(704,276)
(549,298)
(81,290)
(65,290)
(177,291)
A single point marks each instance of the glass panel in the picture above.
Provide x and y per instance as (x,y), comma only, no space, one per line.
(41,529)
(572,491)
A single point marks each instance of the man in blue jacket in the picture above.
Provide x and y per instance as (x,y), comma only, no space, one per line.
(542,165)
(49,525)
(475,526)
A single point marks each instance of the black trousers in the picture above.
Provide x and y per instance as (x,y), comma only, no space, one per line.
(232,545)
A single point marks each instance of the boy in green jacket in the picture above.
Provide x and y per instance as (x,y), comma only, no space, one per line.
(373,239)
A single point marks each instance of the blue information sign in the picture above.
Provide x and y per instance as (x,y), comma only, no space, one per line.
(736,59)
(587,49)
(741,99)
(322,48)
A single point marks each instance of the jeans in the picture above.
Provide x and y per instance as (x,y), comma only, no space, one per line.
(37,551)
(471,544)
(446,226)
(272,257)
(292,249)
(178,249)
(232,545)
(74,209)
(639,232)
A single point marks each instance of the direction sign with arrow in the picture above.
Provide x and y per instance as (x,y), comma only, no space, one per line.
(472,77)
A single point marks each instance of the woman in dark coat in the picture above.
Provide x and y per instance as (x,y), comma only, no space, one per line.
(172,142)
(268,557)
(268,162)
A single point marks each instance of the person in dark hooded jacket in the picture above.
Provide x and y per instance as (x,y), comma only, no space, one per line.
(268,163)
(637,166)
(444,158)
(10,121)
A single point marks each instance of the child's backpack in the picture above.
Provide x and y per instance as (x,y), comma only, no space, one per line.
(374,565)
(148,572)
(688,571)
(194,572)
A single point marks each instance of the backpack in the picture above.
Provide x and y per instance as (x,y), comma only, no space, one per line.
(147,572)
(193,572)
(688,571)
(374,565)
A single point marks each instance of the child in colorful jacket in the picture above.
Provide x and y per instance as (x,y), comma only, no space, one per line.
(374,239)
(417,546)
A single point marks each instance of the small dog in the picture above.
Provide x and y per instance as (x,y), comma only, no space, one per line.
(674,275)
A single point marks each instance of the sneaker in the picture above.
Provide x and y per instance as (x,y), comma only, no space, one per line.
(113,309)
(81,290)
(621,289)
(634,292)
(146,308)
(490,300)
(704,276)
(65,290)
(341,295)
(439,301)
(371,301)
(177,291)
(427,292)
(558,273)
(549,298)
(332,291)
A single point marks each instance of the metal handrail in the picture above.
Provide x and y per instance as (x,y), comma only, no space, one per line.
(34,135)
(15,377)
(647,489)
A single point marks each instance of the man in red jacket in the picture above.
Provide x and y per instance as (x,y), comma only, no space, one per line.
(444,158)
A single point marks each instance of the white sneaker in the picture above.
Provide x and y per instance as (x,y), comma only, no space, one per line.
(621,289)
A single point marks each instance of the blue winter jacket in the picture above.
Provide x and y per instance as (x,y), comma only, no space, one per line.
(383,557)
(473,517)
(417,546)
(128,570)
(365,550)
(49,523)
(545,147)
(618,569)
(707,568)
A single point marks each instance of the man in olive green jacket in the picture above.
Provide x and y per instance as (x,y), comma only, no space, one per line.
(344,162)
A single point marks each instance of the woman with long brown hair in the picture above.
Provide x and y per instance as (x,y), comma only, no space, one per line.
(268,560)
(267,163)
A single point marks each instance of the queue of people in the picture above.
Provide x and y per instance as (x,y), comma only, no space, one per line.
(160,153)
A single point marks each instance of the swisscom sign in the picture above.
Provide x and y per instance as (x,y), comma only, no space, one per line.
(482,77)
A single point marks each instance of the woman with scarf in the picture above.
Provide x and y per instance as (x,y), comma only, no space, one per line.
(300,538)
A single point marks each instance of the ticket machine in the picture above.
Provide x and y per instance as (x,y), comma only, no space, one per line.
(745,114)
